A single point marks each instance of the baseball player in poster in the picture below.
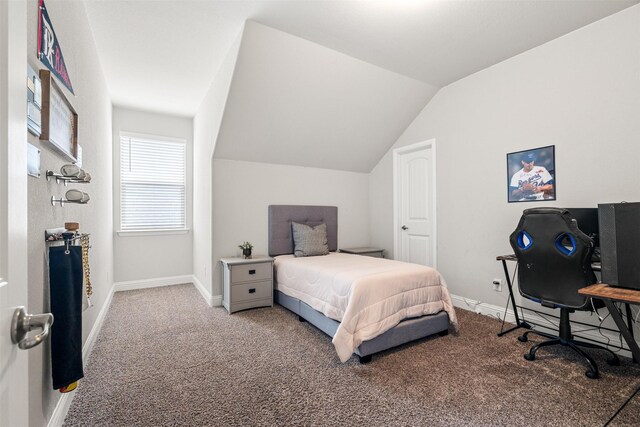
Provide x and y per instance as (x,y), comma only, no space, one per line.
(531,182)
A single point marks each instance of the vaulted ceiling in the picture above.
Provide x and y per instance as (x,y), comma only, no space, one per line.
(326,83)
(298,103)
(162,55)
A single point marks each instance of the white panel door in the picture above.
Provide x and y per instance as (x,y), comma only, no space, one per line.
(13,208)
(415,204)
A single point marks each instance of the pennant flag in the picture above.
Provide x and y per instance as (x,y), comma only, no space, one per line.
(49,51)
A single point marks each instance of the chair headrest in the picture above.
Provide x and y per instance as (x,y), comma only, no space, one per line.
(546,210)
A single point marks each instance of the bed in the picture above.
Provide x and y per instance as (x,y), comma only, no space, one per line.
(326,290)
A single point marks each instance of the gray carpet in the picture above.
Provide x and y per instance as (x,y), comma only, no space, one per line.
(165,358)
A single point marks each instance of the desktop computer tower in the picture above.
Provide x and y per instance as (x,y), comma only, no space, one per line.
(619,225)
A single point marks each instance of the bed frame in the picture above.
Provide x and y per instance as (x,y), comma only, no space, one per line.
(281,243)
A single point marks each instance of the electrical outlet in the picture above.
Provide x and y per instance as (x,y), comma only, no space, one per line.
(497,285)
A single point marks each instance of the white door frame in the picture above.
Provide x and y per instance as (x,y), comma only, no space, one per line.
(397,154)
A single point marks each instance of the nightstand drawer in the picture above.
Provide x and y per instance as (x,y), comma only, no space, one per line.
(250,291)
(251,272)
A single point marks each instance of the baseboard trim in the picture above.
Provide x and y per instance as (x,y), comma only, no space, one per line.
(152,283)
(64,403)
(499,312)
(97,326)
(212,300)
(482,308)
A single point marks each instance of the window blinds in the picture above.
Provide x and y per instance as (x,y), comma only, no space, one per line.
(152,184)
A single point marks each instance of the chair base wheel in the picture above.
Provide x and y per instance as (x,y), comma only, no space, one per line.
(523,338)
(529,356)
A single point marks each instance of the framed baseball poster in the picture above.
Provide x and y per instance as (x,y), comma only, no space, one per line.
(531,175)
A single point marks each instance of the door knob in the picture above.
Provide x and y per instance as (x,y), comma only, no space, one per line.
(404,227)
(22,323)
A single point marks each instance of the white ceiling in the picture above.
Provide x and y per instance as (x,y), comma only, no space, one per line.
(162,55)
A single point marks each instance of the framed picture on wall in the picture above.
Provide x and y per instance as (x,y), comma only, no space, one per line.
(531,175)
(59,118)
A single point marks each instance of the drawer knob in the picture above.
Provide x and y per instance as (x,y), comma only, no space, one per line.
(252,290)
(252,272)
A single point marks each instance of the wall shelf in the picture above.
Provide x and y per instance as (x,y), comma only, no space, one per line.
(66,179)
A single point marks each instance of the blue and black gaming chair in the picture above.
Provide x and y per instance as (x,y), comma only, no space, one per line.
(554,261)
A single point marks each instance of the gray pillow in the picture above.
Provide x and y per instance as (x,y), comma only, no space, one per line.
(309,241)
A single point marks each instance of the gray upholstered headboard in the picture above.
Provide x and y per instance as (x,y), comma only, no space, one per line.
(281,216)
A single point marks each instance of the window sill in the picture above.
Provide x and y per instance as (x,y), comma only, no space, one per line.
(135,233)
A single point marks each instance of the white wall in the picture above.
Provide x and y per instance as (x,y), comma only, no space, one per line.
(206,125)
(242,192)
(157,256)
(288,92)
(578,92)
(93,105)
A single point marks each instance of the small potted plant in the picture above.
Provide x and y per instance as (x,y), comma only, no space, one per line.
(246,249)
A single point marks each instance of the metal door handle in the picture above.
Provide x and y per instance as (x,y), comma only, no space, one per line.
(404,227)
(22,323)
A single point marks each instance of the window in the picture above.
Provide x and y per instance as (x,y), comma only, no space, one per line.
(152,183)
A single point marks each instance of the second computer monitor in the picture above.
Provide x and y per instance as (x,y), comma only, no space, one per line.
(587,219)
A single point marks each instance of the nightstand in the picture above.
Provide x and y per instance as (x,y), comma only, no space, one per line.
(373,252)
(248,283)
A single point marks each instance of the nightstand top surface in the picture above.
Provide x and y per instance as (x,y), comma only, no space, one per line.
(253,260)
(362,250)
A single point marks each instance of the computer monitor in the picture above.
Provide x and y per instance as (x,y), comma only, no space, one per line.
(587,219)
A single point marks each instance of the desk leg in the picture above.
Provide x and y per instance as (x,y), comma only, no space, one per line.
(630,325)
(519,323)
(628,337)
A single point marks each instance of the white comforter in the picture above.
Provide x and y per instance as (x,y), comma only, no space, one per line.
(367,295)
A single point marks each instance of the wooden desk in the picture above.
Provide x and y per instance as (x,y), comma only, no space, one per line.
(609,294)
